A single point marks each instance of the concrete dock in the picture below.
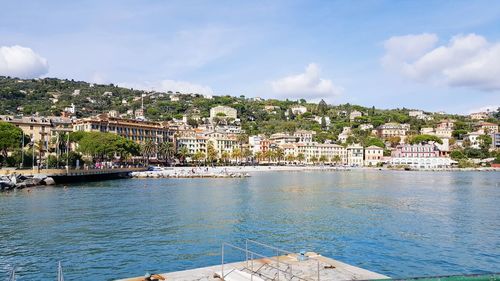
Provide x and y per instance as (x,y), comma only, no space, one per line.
(285,267)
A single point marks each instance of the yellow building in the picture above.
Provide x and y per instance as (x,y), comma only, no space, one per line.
(135,130)
(40,128)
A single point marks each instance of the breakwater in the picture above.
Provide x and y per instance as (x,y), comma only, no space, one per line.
(20,181)
(195,172)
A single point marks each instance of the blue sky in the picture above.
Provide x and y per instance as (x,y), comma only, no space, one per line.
(433,55)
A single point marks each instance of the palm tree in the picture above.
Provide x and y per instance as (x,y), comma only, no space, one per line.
(258,156)
(323,159)
(166,149)
(279,154)
(236,154)
(148,149)
(301,157)
(225,157)
(313,159)
(336,159)
(211,152)
(198,156)
(289,158)
(183,153)
(247,153)
(268,154)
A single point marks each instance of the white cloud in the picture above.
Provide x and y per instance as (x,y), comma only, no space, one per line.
(485,108)
(306,85)
(172,85)
(22,62)
(466,61)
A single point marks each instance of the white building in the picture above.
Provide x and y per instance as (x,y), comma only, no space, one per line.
(224,111)
(298,109)
(355,155)
(319,119)
(373,155)
(354,114)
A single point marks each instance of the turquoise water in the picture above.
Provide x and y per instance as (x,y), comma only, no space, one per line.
(396,223)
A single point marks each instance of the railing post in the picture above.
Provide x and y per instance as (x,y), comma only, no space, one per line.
(278,258)
(246,251)
(251,276)
(222,262)
(318,269)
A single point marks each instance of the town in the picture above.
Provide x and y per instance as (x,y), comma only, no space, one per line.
(345,136)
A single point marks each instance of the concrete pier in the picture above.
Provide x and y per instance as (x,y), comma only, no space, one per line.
(286,267)
(75,175)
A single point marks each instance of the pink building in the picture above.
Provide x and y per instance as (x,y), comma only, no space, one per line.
(416,151)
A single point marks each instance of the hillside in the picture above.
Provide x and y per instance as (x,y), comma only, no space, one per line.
(49,96)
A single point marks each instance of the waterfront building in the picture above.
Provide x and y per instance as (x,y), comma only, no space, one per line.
(40,128)
(393,130)
(315,151)
(254,143)
(373,155)
(225,111)
(420,156)
(135,130)
(222,141)
(192,140)
(355,155)
(354,114)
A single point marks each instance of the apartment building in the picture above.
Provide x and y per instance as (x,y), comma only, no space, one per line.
(135,130)
(393,130)
(355,155)
(421,156)
(40,128)
(373,155)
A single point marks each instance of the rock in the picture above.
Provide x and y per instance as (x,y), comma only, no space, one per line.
(21,185)
(6,185)
(49,181)
(32,182)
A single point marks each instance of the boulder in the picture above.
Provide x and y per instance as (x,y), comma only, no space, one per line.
(33,182)
(21,185)
(49,181)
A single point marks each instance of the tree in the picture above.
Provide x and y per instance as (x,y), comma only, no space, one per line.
(373,141)
(224,157)
(166,150)
(301,157)
(289,158)
(322,107)
(10,138)
(394,140)
(183,154)
(420,139)
(336,159)
(279,154)
(247,153)
(484,142)
(198,156)
(323,159)
(236,154)
(457,154)
(211,152)
(313,159)
(148,149)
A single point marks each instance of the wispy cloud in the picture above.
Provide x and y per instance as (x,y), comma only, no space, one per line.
(308,84)
(466,61)
(22,62)
(183,87)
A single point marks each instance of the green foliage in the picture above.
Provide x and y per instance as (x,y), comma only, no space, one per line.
(457,155)
(484,142)
(104,146)
(373,141)
(10,138)
(419,139)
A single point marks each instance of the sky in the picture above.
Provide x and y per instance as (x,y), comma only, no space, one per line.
(430,55)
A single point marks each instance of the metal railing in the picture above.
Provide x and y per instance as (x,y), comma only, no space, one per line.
(60,277)
(283,270)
